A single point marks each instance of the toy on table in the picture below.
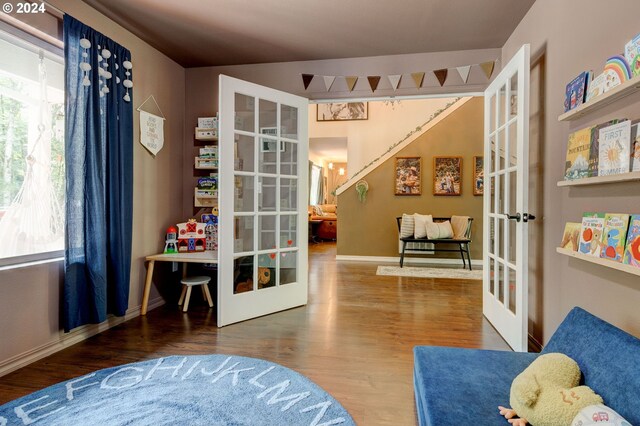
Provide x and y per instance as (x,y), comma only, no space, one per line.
(211,229)
(191,237)
(171,242)
(546,393)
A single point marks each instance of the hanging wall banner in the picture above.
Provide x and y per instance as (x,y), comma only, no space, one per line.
(151,132)
(395,80)
(306,80)
(328,81)
(418,77)
(351,82)
(441,75)
(373,82)
(464,72)
(487,67)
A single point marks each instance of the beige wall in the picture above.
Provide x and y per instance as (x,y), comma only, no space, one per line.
(369,229)
(30,297)
(562,283)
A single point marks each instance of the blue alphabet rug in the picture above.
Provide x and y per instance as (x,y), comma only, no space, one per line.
(185,390)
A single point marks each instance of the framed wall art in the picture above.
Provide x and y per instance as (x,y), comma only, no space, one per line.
(343,111)
(478,175)
(447,175)
(407,177)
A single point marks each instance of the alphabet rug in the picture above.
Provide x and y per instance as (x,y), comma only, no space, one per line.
(187,390)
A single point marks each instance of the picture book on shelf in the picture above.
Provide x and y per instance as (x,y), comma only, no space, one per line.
(614,149)
(616,71)
(578,151)
(632,55)
(635,147)
(591,234)
(595,146)
(632,250)
(596,87)
(614,236)
(571,236)
(576,90)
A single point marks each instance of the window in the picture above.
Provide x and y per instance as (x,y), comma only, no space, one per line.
(314,192)
(32,176)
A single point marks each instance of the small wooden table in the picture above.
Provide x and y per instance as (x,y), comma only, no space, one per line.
(201,257)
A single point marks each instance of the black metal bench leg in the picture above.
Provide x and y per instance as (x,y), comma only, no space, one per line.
(464,264)
(404,244)
(468,257)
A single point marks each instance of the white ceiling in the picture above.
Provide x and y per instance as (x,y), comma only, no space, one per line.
(330,149)
(234,32)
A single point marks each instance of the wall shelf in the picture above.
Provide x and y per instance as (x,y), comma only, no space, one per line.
(602,262)
(597,180)
(625,89)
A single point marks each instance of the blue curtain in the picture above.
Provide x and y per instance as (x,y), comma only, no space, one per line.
(99,176)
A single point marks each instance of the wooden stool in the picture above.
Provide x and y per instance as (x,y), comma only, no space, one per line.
(187,283)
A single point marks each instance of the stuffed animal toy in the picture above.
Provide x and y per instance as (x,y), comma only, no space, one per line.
(244,286)
(546,393)
(264,276)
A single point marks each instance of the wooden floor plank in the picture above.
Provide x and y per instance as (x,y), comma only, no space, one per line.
(354,338)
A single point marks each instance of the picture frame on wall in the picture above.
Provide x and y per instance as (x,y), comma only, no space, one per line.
(342,111)
(447,175)
(478,175)
(408,177)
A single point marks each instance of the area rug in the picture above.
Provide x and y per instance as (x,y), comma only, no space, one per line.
(424,272)
(186,390)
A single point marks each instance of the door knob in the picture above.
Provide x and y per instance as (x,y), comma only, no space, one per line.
(526,217)
(515,217)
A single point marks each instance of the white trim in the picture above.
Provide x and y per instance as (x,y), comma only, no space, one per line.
(407,260)
(32,263)
(428,126)
(67,339)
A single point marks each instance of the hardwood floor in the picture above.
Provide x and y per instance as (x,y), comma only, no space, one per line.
(354,338)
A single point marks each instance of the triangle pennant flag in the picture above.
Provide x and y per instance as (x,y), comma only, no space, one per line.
(464,72)
(328,81)
(395,80)
(418,77)
(487,67)
(441,75)
(373,82)
(351,82)
(306,80)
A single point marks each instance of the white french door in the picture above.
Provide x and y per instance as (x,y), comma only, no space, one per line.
(506,216)
(263,201)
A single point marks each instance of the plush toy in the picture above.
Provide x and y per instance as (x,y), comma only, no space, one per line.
(546,393)
(264,276)
(244,286)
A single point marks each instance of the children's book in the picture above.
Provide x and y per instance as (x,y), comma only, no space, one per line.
(614,236)
(614,149)
(578,151)
(596,87)
(594,152)
(591,234)
(208,183)
(632,54)
(632,251)
(635,147)
(571,236)
(576,90)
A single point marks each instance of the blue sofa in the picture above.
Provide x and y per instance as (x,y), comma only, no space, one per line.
(455,386)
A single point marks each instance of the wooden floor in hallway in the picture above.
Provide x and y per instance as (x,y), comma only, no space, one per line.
(354,338)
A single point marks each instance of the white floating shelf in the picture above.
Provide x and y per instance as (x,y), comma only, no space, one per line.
(625,89)
(597,180)
(602,262)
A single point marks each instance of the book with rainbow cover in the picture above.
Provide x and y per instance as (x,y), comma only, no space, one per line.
(591,234)
(632,250)
(614,236)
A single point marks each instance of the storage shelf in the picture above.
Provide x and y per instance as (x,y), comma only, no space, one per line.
(597,180)
(599,261)
(625,89)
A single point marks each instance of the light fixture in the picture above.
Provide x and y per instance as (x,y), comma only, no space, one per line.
(330,166)
(341,171)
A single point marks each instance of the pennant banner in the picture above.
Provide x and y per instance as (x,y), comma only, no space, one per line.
(464,72)
(328,81)
(487,67)
(418,78)
(441,75)
(351,82)
(373,82)
(395,80)
(306,80)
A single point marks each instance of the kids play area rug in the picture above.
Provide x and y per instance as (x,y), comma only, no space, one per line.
(424,272)
(186,390)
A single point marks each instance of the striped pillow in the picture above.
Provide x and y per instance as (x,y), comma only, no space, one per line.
(420,228)
(407,226)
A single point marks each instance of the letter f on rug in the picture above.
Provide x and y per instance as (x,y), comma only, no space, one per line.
(188,390)
(424,272)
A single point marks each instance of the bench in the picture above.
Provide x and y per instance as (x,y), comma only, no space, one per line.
(463,244)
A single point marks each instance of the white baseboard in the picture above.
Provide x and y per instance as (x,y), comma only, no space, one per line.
(407,260)
(65,340)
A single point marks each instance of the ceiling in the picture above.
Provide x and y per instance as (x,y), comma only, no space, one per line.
(330,149)
(233,32)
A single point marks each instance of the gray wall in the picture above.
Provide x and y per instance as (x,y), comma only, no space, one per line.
(569,37)
(30,297)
